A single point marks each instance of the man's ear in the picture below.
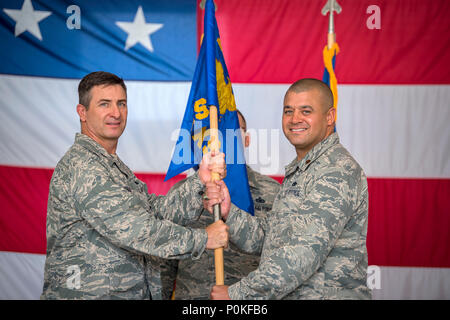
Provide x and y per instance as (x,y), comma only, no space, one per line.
(331,116)
(247,140)
(81,110)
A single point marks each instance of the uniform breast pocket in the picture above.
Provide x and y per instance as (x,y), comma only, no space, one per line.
(138,191)
(291,198)
(293,192)
(293,188)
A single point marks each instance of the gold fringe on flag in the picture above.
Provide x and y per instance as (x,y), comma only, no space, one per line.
(328,55)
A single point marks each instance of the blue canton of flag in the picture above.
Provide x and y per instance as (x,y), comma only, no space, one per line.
(134,39)
(211,85)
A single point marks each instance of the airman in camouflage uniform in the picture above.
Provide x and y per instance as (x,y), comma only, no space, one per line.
(313,242)
(194,278)
(105,233)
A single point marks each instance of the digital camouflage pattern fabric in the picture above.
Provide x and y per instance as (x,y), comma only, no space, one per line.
(194,279)
(313,242)
(104,228)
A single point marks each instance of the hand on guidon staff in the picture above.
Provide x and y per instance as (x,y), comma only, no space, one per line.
(217,192)
(212,162)
(217,235)
(220,293)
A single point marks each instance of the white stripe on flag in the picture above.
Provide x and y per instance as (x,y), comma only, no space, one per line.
(409,283)
(21,275)
(393,131)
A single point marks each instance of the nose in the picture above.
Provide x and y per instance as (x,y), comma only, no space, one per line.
(115,112)
(297,116)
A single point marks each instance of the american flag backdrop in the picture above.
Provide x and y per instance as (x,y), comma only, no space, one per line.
(393,72)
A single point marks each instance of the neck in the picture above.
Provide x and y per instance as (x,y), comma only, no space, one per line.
(301,153)
(109,145)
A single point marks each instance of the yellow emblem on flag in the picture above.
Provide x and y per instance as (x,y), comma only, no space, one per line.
(224,91)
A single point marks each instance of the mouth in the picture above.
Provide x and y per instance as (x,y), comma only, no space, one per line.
(113,124)
(297,130)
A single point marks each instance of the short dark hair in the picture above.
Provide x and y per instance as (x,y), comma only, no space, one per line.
(308,84)
(243,119)
(96,78)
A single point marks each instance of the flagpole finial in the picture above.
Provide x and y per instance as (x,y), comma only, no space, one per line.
(331,6)
(203,4)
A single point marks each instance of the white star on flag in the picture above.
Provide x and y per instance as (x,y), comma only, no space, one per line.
(27,19)
(139,31)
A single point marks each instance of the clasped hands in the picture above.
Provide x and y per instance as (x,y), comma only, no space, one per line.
(216,193)
(218,231)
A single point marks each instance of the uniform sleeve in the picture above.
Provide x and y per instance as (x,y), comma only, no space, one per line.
(183,203)
(303,232)
(122,216)
(246,231)
(58,204)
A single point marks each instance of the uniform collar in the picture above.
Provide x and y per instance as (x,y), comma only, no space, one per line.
(313,154)
(91,145)
(94,147)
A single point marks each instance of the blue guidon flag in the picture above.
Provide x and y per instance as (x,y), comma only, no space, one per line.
(211,85)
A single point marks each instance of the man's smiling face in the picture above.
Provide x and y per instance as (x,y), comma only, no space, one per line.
(305,121)
(106,117)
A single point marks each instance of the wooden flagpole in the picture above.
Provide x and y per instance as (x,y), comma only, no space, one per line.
(214,136)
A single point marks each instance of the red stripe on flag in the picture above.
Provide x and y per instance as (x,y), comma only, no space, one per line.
(23,199)
(409,222)
(268,41)
(409,219)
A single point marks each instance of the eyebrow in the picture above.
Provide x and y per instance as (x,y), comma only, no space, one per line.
(104,100)
(109,100)
(300,107)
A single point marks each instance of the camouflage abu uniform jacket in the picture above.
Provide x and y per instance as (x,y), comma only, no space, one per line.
(194,279)
(313,242)
(106,230)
